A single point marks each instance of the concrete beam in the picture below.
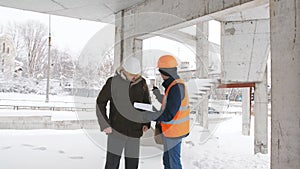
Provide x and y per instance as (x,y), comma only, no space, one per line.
(181,37)
(285,66)
(259,12)
(173,15)
(244,51)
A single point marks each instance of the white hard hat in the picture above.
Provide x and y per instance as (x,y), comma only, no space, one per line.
(132,65)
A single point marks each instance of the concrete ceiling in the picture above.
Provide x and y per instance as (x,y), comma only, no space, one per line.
(104,10)
(259,12)
(94,10)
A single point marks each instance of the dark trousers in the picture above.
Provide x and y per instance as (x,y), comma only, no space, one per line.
(115,146)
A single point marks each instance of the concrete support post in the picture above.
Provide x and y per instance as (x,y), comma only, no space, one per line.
(126,45)
(119,39)
(246,111)
(261,116)
(202,49)
(138,50)
(285,82)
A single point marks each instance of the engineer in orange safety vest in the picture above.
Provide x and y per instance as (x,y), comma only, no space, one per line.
(174,120)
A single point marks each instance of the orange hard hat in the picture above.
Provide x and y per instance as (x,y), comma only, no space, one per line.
(167,61)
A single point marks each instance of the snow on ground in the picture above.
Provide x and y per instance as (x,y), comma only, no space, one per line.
(226,148)
(221,147)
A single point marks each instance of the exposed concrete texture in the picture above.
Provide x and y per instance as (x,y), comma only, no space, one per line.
(181,37)
(126,45)
(202,50)
(244,51)
(166,15)
(96,10)
(138,50)
(118,46)
(258,12)
(285,62)
(261,116)
(202,116)
(246,111)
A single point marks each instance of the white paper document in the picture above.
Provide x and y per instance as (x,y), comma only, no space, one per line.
(143,106)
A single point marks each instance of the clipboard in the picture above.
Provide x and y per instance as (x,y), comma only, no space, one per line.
(143,106)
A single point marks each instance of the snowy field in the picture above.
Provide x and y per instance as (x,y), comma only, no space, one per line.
(222,147)
(226,148)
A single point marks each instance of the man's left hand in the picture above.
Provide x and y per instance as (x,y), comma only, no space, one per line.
(145,128)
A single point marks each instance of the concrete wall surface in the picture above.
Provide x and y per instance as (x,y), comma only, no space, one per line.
(245,50)
(285,62)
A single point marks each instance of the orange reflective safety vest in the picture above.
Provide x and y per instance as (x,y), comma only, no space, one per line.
(180,124)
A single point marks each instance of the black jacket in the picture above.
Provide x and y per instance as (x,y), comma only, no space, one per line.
(138,92)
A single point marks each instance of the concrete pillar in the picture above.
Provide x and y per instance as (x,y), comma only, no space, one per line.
(246,122)
(138,50)
(119,36)
(202,49)
(126,45)
(261,116)
(285,84)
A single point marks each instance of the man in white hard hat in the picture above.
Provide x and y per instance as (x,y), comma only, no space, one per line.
(123,132)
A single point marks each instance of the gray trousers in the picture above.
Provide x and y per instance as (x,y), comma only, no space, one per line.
(115,145)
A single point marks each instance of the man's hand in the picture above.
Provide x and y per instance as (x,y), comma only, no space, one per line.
(154,88)
(155,91)
(157,94)
(145,128)
(107,130)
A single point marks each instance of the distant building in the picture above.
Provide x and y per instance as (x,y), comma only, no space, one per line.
(7,56)
(184,65)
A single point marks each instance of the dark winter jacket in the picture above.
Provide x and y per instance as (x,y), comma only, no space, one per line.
(175,96)
(138,92)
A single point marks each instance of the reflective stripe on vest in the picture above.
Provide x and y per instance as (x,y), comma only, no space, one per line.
(177,121)
(180,124)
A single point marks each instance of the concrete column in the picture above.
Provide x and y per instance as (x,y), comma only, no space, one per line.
(246,111)
(119,39)
(126,45)
(138,50)
(202,49)
(285,84)
(261,116)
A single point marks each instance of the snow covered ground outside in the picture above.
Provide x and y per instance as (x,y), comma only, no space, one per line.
(223,147)
(66,149)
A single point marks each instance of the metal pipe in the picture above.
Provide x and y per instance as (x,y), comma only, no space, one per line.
(48,68)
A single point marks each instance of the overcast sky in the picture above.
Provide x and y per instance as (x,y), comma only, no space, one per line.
(73,34)
(67,33)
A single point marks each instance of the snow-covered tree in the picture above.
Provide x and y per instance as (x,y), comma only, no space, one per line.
(13,30)
(62,64)
(106,66)
(30,40)
(93,74)
(34,36)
